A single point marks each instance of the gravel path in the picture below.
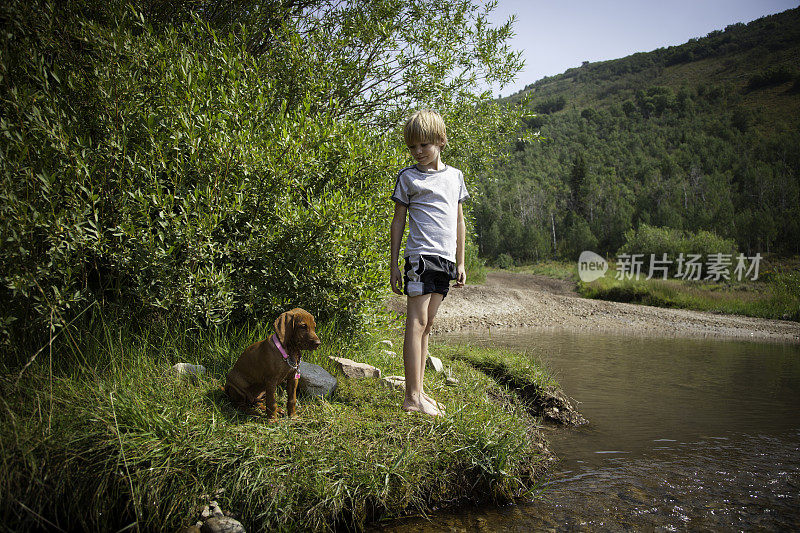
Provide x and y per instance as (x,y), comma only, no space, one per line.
(527,300)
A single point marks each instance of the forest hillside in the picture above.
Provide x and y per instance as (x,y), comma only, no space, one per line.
(701,137)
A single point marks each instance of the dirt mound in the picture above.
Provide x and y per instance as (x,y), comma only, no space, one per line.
(535,282)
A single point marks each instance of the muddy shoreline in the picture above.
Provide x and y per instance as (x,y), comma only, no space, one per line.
(509,300)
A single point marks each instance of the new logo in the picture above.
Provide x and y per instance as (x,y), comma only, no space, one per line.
(591,266)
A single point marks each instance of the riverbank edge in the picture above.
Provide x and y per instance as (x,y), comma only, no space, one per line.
(154,445)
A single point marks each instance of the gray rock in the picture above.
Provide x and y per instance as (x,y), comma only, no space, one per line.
(188,372)
(389,353)
(215,509)
(356,370)
(395,382)
(315,380)
(222,524)
(387,343)
(435,363)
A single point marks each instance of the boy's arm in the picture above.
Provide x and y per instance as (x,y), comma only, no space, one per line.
(461,233)
(397,229)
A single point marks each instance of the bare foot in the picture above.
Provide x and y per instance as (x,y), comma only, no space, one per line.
(425,398)
(420,407)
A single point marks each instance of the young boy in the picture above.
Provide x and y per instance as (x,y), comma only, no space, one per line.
(430,193)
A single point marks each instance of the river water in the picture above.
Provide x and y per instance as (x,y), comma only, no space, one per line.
(683,434)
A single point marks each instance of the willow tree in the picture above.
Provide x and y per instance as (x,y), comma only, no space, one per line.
(208,162)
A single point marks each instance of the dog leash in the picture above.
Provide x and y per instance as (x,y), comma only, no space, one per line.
(285,355)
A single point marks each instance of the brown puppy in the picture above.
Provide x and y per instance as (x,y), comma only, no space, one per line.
(265,364)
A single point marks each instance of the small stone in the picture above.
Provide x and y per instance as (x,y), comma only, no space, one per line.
(435,363)
(395,382)
(206,512)
(355,370)
(215,509)
(451,381)
(188,372)
(315,380)
(389,353)
(222,524)
(387,343)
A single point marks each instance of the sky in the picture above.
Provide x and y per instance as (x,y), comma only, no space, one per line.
(556,35)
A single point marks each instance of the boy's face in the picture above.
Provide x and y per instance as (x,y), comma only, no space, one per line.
(426,153)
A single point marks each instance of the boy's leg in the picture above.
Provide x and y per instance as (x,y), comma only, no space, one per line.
(414,365)
(433,307)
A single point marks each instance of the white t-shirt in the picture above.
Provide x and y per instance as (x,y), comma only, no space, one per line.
(432,199)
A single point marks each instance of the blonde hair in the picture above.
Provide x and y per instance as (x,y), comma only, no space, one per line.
(426,125)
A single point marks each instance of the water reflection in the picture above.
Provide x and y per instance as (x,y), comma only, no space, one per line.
(639,393)
(683,434)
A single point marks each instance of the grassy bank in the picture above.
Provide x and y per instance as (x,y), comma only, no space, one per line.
(523,378)
(776,294)
(101,438)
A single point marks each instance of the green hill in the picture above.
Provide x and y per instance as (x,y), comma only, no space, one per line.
(701,136)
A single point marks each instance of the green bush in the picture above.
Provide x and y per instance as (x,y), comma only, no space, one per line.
(475,266)
(504,261)
(168,176)
(770,76)
(784,300)
(578,237)
(649,240)
(213,166)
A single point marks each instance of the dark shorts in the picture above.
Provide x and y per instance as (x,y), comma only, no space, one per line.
(425,274)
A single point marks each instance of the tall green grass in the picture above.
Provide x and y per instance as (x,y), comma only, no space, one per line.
(776,295)
(97,436)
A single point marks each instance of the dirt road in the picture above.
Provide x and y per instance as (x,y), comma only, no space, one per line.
(526,300)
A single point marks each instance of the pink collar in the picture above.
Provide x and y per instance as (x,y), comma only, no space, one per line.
(285,355)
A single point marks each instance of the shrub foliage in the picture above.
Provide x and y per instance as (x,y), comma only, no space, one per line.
(673,242)
(208,163)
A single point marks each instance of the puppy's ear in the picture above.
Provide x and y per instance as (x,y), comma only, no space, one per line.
(284,327)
